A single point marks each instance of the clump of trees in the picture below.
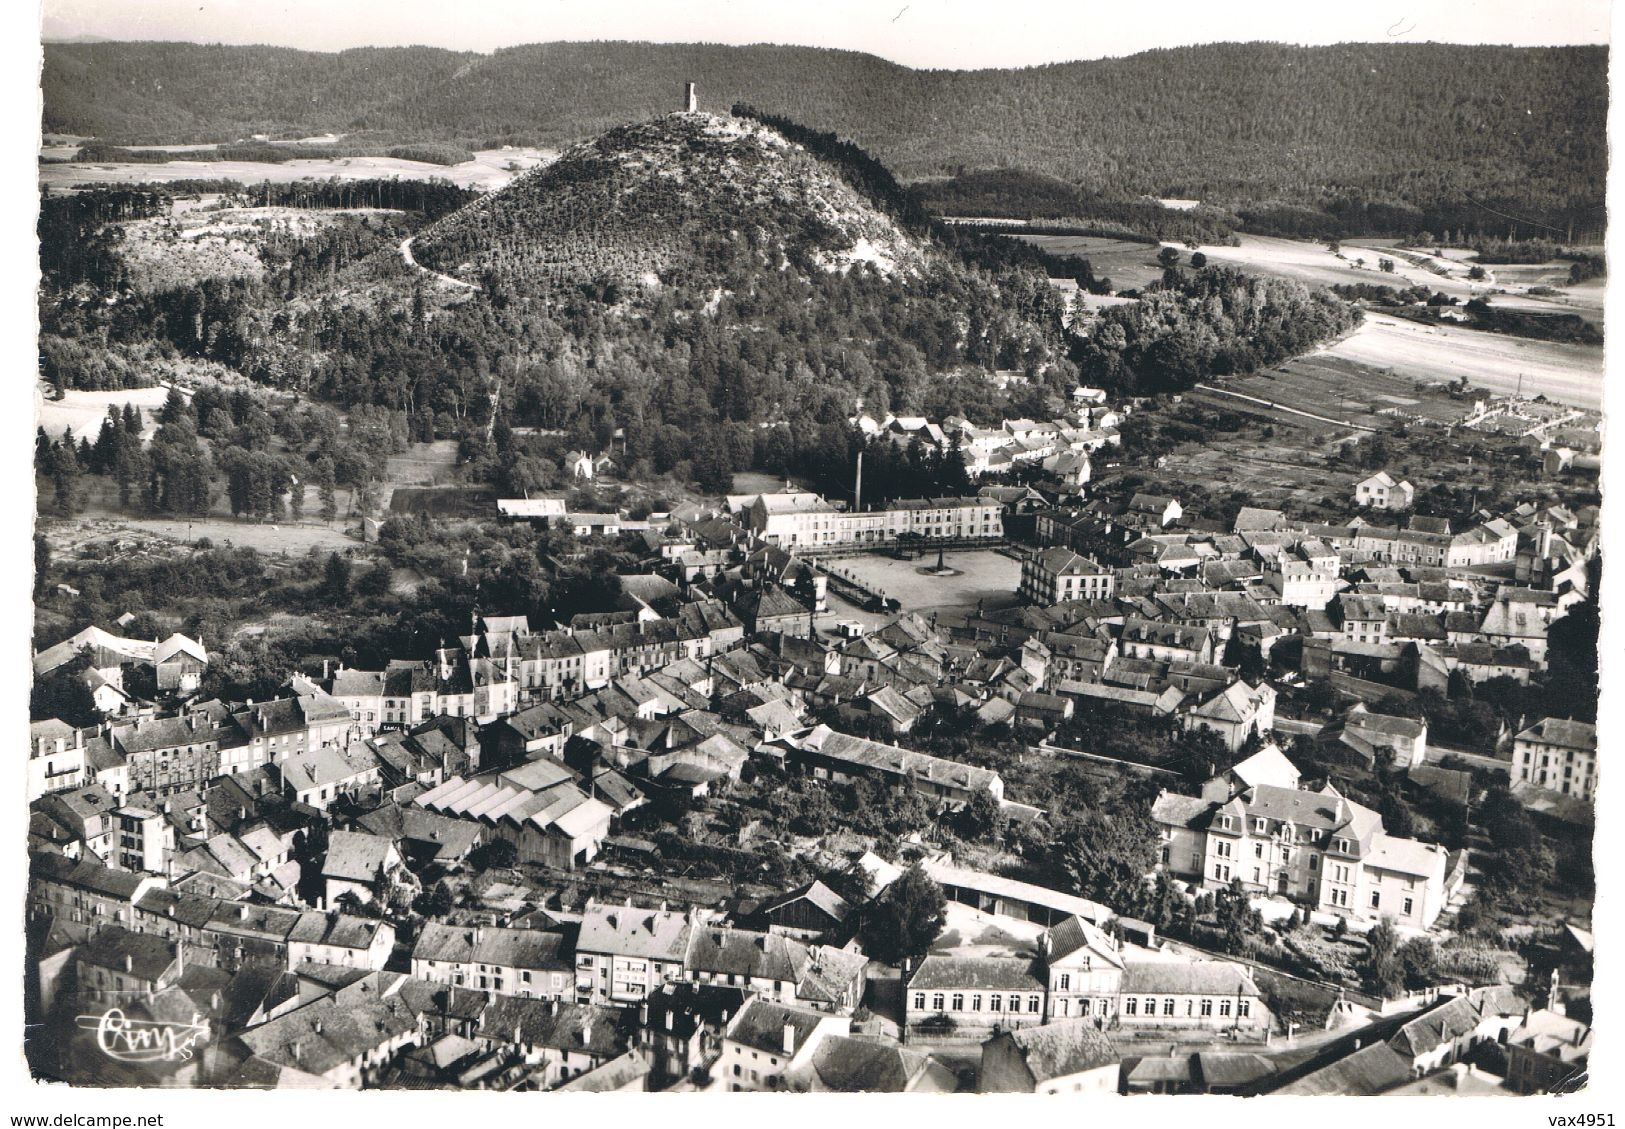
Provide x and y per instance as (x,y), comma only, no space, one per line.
(1212,322)
(905,919)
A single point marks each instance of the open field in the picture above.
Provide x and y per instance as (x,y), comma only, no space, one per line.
(85,411)
(1313,263)
(983,575)
(1569,374)
(286,538)
(1128,265)
(490,169)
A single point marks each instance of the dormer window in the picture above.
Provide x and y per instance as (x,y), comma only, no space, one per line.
(1261,825)
(1224,822)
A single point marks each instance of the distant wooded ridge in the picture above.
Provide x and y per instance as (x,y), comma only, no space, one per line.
(1491,140)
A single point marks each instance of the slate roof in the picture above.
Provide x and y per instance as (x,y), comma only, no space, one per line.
(652,934)
(1200,978)
(842,1064)
(326,1034)
(504,948)
(737,952)
(149,955)
(355,856)
(939,972)
(760,1025)
(1075,934)
(1057,1050)
(1562,732)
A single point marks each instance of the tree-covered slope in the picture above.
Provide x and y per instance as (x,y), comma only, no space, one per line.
(1509,128)
(682,198)
(175,93)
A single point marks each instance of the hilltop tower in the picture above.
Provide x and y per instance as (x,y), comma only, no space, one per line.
(691,101)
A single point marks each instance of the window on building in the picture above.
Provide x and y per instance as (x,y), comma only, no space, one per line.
(1376,898)
(1258,850)
(1168,1006)
(995,1002)
(1131,1006)
(1408,904)
(1066,982)
(919,1001)
(1032,1004)
(937,1002)
(1224,1008)
(1015,1002)
(1244,1008)
(1207,1007)
(959,1001)
(976,1001)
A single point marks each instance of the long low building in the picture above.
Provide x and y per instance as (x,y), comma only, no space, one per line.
(805,520)
(993,893)
(840,756)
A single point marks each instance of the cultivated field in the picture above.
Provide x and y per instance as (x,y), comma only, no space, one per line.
(444,501)
(490,168)
(421,465)
(1570,374)
(1327,385)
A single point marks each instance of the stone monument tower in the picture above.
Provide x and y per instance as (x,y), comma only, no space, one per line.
(691,101)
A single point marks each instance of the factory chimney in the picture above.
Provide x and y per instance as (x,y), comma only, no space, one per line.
(857,489)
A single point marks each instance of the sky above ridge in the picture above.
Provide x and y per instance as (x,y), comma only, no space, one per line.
(918,33)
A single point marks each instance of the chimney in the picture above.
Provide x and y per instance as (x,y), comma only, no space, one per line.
(857,488)
(789,1038)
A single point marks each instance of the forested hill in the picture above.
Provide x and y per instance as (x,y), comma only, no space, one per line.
(688,199)
(1509,128)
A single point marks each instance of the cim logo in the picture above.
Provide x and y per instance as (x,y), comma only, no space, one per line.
(141,1040)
